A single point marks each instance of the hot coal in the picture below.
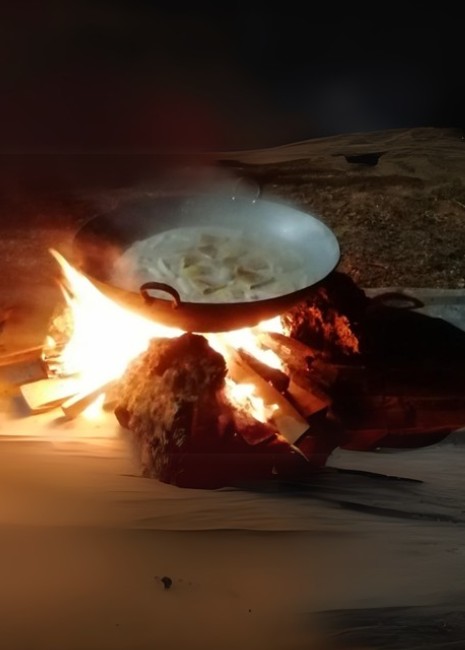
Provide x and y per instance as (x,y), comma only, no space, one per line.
(330,320)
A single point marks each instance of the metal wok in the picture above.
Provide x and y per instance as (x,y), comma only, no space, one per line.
(101,240)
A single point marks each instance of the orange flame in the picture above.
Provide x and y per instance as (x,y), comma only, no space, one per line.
(106,337)
(243,396)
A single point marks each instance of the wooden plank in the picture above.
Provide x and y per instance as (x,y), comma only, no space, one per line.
(307,401)
(21,356)
(277,378)
(79,402)
(287,419)
(47,394)
(17,374)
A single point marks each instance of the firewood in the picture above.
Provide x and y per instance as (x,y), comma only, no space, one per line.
(18,374)
(47,394)
(277,378)
(306,363)
(289,422)
(21,356)
(307,401)
(330,318)
(295,354)
(187,428)
(77,404)
(27,365)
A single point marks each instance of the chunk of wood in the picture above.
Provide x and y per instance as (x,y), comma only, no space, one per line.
(295,354)
(308,401)
(21,356)
(277,378)
(305,391)
(186,427)
(287,419)
(77,404)
(17,374)
(47,394)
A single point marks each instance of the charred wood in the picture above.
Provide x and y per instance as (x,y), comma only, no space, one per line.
(277,378)
(288,420)
(295,354)
(185,430)
(330,320)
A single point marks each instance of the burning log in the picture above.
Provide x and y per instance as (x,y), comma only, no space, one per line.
(309,377)
(22,367)
(47,394)
(306,363)
(187,431)
(346,356)
(288,421)
(296,355)
(307,399)
(21,356)
(277,378)
(78,403)
(330,321)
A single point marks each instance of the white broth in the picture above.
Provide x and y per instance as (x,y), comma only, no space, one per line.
(213,265)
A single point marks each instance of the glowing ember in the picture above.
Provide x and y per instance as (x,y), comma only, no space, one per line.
(106,337)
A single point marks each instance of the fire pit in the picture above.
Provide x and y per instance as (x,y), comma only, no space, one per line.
(289,391)
(90,340)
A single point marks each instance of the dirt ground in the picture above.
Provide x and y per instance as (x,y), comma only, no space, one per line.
(396,201)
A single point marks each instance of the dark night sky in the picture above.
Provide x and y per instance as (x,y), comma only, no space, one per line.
(109,74)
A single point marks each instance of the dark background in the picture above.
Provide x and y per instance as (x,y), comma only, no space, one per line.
(105,75)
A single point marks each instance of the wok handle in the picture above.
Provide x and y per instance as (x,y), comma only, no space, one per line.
(159,286)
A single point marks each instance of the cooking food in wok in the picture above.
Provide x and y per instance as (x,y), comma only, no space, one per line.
(208,262)
(214,265)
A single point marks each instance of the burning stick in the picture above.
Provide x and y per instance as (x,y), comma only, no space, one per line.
(288,420)
(295,354)
(307,399)
(23,366)
(306,367)
(21,356)
(47,394)
(77,404)
(305,387)
(277,378)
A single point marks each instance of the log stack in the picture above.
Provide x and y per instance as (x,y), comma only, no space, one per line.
(185,429)
(342,377)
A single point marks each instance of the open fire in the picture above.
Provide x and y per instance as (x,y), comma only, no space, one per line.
(194,418)
(105,337)
(309,389)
